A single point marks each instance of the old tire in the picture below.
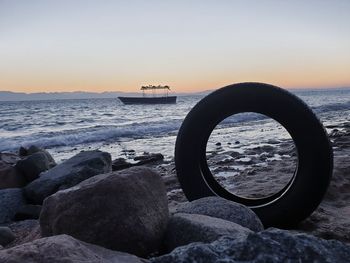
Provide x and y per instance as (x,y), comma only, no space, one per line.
(304,192)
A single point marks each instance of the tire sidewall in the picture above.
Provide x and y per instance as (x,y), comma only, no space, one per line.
(315,157)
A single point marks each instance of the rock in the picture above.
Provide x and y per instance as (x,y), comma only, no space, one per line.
(221,159)
(24,231)
(9,158)
(22,151)
(336,133)
(188,228)
(224,209)
(63,249)
(6,235)
(10,177)
(272,245)
(28,212)
(234,154)
(33,165)
(148,158)
(10,201)
(120,164)
(67,174)
(126,211)
(244,160)
(34,149)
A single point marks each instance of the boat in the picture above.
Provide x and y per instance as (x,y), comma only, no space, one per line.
(145,99)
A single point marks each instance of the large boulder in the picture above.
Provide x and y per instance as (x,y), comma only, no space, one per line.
(224,209)
(125,210)
(67,174)
(33,165)
(10,201)
(10,176)
(63,249)
(184,229)
(272,245)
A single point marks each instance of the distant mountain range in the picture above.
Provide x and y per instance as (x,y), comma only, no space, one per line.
(21,96)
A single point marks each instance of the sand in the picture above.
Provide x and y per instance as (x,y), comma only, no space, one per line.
(246,175)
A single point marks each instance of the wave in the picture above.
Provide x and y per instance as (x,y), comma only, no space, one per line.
(129,131)
(97,133)
(248,117)
(332,107)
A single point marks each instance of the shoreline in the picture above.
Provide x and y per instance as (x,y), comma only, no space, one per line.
(330,220)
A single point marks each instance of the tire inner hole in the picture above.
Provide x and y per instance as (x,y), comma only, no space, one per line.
(251,155)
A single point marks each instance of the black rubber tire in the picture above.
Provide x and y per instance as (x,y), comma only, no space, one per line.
(306,189)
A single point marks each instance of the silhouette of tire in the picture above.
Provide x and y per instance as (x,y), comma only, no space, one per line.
(304,192)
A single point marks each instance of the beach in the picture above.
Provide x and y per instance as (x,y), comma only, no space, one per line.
(248,154)
(243,147)
(66,127)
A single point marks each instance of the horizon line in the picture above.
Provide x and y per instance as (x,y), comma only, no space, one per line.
(182,92)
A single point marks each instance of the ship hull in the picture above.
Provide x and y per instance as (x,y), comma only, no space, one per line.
(150,100)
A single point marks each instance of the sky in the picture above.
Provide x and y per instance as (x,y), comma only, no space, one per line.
(190,45)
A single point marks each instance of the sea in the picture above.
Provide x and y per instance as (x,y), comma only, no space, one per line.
(66,127)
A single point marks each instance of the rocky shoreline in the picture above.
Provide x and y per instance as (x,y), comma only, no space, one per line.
(91,208)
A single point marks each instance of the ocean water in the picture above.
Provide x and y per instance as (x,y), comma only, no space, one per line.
(65,127)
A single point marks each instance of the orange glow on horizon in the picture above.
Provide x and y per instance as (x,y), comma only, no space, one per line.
(195,83)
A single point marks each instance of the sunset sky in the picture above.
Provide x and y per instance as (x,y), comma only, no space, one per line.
(190,45)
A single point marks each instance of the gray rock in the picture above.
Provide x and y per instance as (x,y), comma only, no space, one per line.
(33,165)
(6,235)
(120,164)
(10,177)
(63,249)
(34,149)
(9,158)
(22,151)
(125,210)
(10,201)
(25,231)
(224,209)
(28,212)
(272,245)
(67,174)
(188,228)
(148,158)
